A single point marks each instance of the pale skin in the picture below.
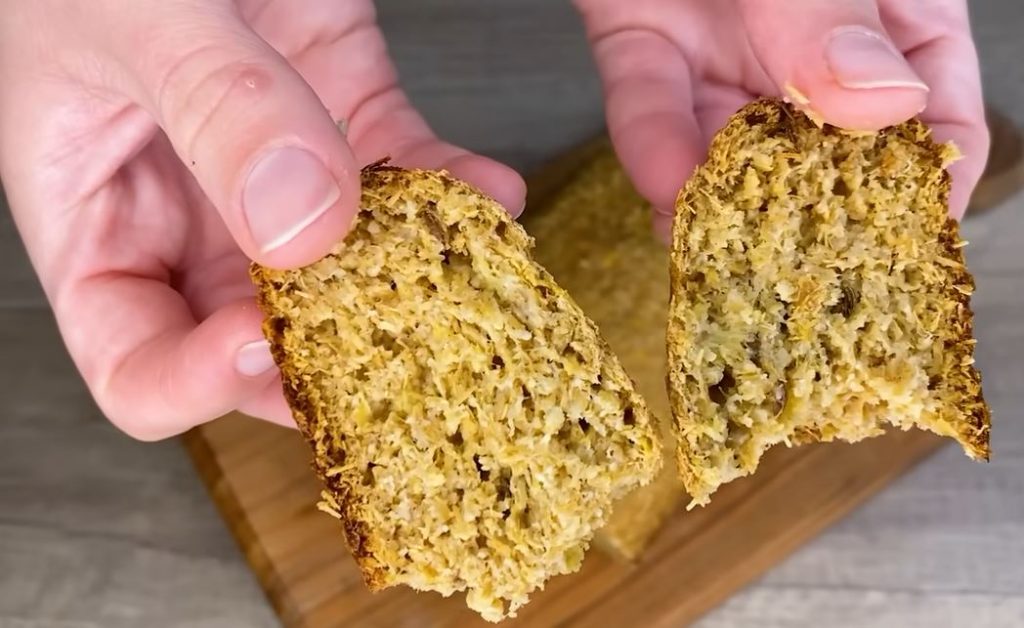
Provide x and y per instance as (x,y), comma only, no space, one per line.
(150,149)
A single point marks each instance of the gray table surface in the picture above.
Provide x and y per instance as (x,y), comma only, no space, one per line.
(98,530)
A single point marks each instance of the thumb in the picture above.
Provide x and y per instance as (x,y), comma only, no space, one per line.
(258,140)
(835,59)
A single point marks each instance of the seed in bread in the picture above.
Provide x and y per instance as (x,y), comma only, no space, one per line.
(818,293)
(469,423)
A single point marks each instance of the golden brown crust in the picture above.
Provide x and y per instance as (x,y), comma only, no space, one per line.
(358,536)
(972,416)
(962,412)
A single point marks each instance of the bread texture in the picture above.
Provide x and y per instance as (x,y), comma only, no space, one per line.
(819,293)
(594,236)
(469,423)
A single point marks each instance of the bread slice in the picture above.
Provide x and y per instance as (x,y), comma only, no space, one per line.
(594,236)
(818,293)
(470,425)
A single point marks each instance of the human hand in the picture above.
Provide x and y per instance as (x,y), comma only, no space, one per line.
(149,149)
(674,70)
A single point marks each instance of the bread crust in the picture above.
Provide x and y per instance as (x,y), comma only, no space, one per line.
(967,412)
(358,535)
(345,498)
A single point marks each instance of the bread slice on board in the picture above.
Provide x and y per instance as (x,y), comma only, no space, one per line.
(470,425)
(594,235)
(818,293)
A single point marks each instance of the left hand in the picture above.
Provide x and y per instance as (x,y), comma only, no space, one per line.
(150,149)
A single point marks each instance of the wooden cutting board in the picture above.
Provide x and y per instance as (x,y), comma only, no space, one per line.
(259,476)
(260,479)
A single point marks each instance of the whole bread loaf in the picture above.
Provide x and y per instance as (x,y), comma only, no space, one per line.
(470,425)
(818,293)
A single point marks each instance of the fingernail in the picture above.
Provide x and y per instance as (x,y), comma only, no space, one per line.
(287,190)
(861,58)
(254,359)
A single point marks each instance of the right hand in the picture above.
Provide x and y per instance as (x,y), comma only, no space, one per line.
(675,70)
(151,148)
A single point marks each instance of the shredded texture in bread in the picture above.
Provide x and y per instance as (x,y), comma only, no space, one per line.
(818,293)
(594,235)
(470,424)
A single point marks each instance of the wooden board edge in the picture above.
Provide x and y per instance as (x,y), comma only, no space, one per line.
(912,448)
(209,470)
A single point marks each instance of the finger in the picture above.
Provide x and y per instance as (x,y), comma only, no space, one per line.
(259,142)
(836,59)
(650,108)
(716,103)
(153,371)
(269,405)
(348,65)
(386,125)
(493,178)
(937,36)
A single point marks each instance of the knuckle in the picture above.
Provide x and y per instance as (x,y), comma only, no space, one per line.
(138,425)
(144,415)
(138,430)
(328,24)
(131,424)
(206,83)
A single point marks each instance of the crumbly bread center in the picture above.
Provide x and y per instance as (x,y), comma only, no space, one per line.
(812,293)
(465,412)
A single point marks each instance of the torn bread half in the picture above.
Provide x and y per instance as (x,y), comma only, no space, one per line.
(469,423)
(818,293)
